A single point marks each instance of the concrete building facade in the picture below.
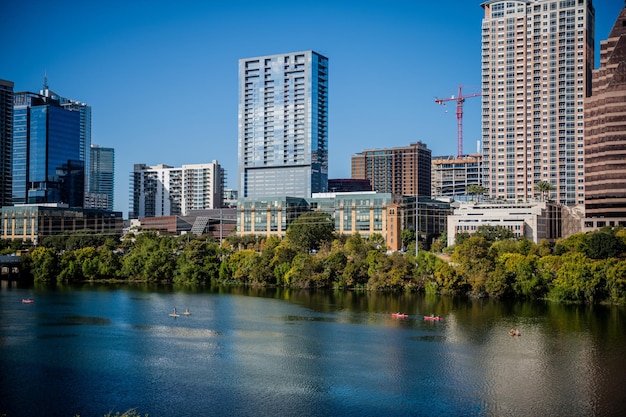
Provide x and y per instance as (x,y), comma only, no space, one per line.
(162,190)
(452,175)
(537,60)
(534,221)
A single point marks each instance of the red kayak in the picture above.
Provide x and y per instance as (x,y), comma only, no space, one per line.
(433,318)
(399,315)
(27,300)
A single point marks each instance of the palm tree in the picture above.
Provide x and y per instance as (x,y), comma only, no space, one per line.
(476,190)
(544,188)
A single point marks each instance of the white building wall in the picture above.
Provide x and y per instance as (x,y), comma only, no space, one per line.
(523,219)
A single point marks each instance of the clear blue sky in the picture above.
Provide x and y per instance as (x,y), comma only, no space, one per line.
(161,76)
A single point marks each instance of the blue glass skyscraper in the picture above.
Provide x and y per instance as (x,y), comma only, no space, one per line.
(46,163)
(283,125)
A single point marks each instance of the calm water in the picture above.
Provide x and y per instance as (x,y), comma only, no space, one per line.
(96,349)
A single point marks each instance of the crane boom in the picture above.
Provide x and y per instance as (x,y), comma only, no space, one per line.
(460,98)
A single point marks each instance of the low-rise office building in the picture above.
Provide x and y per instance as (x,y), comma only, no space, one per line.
(366,213)
(34,222)
(534,221)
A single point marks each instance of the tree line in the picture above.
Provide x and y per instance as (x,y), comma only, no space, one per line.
(586,267)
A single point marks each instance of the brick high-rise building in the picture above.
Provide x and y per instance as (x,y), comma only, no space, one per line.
(605,133)
(402,171)
(537,60)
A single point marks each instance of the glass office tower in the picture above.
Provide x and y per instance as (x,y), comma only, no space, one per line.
(101,178)
(283,125)
(46,163)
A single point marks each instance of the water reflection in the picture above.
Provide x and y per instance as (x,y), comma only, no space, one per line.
(247,351)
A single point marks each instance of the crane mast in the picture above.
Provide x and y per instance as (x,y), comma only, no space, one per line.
(460,98)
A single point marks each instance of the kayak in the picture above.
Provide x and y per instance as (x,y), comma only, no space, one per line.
(399,315)
(436,318)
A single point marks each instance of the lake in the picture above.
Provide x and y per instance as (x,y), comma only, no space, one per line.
(95,349)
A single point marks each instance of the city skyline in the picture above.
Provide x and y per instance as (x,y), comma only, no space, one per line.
(162,80)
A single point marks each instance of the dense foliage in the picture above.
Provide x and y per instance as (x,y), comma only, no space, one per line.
(490,263)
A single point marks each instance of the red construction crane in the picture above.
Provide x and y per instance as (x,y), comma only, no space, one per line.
(460,98)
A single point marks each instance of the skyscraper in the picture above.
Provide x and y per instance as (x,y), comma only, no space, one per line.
(101,178)
(85,125)
(537,59)
(403,170)
(6,137)
(283,125)
(605,132)
(46,165)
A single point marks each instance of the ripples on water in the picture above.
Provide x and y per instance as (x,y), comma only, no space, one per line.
(89,352)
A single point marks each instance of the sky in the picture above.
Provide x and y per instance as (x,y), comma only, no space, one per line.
(162,76)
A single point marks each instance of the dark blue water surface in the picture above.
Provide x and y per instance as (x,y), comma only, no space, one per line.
(97,349)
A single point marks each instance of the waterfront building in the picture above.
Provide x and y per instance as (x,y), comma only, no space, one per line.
(283,125)
(32,223)
(452,175)
(535,221)
(101,178)
(6,138)
(46,153)
(366,213)
(605,134)
(402,170)
(537,60)
(163,190)
(215,223)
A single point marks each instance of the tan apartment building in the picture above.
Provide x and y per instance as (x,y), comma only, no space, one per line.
(605,134)
(452,175)
(401,171)
(537,60)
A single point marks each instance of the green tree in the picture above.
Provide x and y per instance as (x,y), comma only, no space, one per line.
(302,272)
(310,230)
(198,263)
(152,258)
(602,244)
(578,279)
(110,263)
(448,281)
(476,190)
(242,264)
(544,188)
(408,237)
(44,264)
(616,282)
(474,262)
(494,233)
(69,268)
